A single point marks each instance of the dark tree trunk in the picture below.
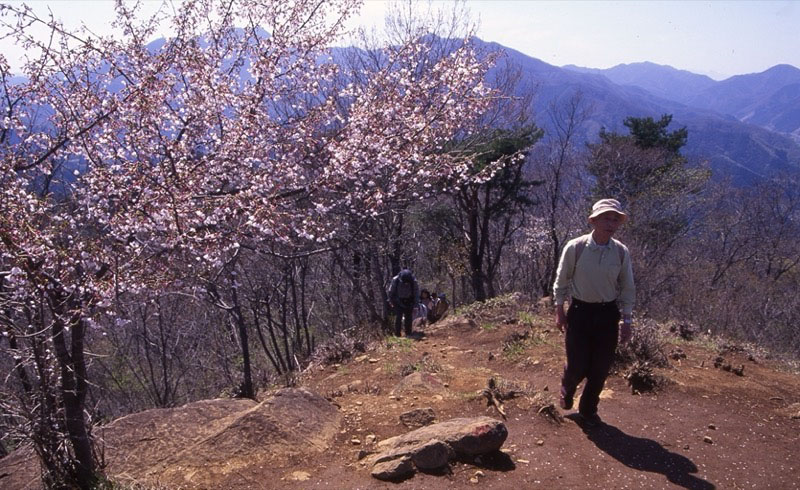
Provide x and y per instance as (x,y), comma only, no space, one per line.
(72,366)
(247,390)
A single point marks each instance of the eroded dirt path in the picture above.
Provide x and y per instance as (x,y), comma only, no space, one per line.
(709,428)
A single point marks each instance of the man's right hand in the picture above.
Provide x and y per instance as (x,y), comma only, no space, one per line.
(561,318)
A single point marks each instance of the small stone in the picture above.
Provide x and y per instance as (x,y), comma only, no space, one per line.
(359,403)
(372,360)
(355,441)
(470,351)
(371,438)
(479,473)
(686,446)
(708,440)
(712,426)
(523,461)
(361,358)
(540,442)
(474,479)
(446,385)
(300,476)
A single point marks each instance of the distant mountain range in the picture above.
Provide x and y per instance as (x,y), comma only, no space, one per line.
(747,127)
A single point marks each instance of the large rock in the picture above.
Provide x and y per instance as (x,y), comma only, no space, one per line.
(209,443)
(455,324)
(420,382)
(294,423)
(434,446)
(419,417)
(204,444)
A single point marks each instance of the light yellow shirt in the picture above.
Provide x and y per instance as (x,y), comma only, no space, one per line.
(599,276)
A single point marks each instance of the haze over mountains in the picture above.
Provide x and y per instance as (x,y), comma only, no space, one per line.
(747,126)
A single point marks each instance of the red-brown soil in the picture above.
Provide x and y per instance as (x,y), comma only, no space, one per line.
(708,428)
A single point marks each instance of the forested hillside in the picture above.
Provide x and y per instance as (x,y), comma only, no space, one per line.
(214,229)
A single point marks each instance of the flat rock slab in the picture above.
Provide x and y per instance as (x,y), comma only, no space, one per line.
(211,441)
(419,417)
(420,382)
(434,446)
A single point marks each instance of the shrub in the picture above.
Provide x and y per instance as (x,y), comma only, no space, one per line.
(642,379)
(647,345)
(339,348)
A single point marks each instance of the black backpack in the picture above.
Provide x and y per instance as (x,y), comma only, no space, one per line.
(405,286)
(405,290)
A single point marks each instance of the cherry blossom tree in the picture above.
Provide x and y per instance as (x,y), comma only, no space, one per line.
(126,166)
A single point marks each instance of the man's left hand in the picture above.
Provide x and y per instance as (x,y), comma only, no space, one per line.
(625,331)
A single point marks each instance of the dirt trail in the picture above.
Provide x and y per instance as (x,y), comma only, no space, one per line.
(709,428)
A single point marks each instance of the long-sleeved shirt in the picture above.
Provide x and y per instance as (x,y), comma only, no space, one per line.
(599,276)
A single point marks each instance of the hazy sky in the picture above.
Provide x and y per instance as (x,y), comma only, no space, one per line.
(716,38)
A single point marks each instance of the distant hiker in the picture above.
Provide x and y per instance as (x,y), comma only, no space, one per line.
(403,296)
(419,315)
(596,270)
(426,299)
(440,306)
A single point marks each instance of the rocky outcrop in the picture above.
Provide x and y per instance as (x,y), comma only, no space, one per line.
(419,417)
(420,382)
(213,440)
(434,446)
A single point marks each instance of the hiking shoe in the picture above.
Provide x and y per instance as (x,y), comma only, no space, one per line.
(564,401)
(591,421)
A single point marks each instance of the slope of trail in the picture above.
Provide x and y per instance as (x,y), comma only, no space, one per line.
(707,428)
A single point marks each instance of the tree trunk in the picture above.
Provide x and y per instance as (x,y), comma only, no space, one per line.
(73,394)
(247,390)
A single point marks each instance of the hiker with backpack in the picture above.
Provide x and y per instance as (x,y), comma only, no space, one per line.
(403,296)
(595,269)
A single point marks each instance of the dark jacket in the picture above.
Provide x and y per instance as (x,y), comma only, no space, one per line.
(407,277)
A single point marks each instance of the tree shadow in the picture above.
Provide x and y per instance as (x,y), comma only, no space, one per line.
(646,455)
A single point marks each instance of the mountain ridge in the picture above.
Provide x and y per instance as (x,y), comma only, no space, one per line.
(730,141)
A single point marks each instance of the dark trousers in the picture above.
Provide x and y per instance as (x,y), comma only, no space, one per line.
(402,313)
(591,341)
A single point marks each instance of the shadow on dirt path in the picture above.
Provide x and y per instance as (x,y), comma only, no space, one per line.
(647,455)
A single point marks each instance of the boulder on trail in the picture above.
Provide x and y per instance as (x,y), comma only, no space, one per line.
(455,324)
(434,446)
(204,444)
(420,382)
(200,444)
(419,417)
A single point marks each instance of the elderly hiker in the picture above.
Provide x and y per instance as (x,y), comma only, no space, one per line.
(595,269)
(403,296)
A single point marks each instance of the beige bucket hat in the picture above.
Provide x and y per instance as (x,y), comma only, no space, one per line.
(604,205)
